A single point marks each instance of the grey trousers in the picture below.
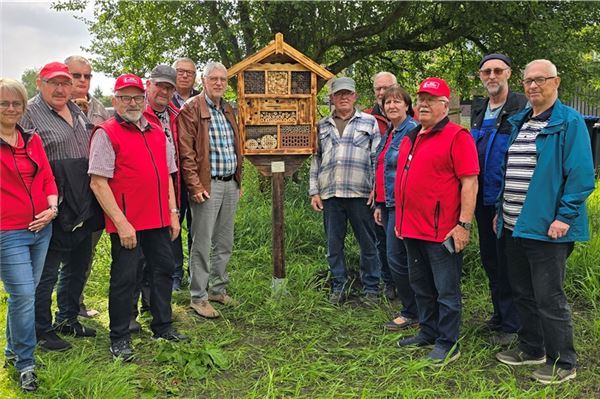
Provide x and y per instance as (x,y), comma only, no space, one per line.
(212,242)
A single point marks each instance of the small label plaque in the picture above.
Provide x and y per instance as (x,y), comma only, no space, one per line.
(278,167)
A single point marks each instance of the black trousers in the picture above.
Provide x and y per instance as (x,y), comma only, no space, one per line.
(536,270)
(72,280)
(155,244)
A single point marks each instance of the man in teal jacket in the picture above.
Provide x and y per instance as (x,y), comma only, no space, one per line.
(548,175)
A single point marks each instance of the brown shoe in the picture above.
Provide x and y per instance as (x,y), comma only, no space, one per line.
(222,298)
(204,309)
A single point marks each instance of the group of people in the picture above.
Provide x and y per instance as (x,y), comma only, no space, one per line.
(407,179)
(410,181)
(71,170)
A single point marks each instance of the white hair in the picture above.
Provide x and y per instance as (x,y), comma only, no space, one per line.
(549,64)
(385,73)
(212,65)
(77,58)
(183,59)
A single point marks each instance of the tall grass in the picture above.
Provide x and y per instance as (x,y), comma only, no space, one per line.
(299,346)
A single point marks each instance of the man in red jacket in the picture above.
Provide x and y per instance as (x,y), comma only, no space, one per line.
(436,189)
(130,165)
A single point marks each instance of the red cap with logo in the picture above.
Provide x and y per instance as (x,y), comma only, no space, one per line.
(55,69)
(129,80)
(435,86)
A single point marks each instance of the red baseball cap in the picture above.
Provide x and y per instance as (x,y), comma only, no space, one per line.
(55,69)
(129,80)
(434,86)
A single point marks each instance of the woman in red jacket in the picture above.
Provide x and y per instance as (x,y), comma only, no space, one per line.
(28,203)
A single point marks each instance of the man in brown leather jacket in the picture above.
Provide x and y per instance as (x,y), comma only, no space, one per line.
(211,164)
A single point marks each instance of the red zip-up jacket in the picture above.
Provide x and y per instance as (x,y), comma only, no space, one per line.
(18,205)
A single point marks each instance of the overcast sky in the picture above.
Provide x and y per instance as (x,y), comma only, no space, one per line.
(32,34)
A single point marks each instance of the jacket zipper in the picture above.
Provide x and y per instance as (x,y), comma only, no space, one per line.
(404,178)
(436,218)
(157,178)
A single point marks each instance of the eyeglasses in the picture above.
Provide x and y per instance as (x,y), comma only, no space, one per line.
(538,81)
(127,99)
(215,79)
(86,76)
(15,104)
(429,100)
(56,84)
(488,71)
(183,72)
(379,88)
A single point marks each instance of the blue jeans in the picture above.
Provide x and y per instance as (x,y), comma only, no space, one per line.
(398,264)
(336,213)
(536,270)
(435,277)
(381,244)
(22,255)
(493,258)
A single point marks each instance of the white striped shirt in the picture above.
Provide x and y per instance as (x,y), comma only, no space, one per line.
(520,165)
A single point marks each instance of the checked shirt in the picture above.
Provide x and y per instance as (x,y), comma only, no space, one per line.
(223,161)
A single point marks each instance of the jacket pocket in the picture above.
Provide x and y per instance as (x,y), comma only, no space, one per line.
(325,141)
(361,139)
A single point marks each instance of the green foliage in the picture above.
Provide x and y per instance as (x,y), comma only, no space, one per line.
(413,39)
(105,100)
(28,78)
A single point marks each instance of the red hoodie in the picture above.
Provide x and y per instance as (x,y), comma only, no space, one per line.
(18,204)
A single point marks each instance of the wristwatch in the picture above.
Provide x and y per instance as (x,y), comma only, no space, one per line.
(174,210)
(465,225)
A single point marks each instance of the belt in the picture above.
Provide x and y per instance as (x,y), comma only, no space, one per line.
(222,178)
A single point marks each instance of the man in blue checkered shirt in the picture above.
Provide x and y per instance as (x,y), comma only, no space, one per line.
(211,165)
(341,185)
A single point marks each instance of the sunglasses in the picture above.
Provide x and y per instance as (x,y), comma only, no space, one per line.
(488,72)
(86,76)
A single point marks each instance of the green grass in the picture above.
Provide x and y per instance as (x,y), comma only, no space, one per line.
(297,345)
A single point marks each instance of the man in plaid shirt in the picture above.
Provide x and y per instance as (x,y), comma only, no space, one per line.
(341,185)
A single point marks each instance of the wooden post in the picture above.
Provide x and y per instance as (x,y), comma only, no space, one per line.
(278,226)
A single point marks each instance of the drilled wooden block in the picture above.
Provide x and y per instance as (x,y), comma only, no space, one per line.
(277,82)
(255,132)
(254,82)
(295,136)
(300,82)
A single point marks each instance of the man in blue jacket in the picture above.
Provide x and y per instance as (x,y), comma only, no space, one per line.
(541,213)
(490,129)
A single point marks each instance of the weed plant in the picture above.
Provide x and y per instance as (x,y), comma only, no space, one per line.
(297,345)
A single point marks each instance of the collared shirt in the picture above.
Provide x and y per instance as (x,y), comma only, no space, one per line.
(102,154)
(344,165)
(165,122)
(341,123)
(223,160)
(179,101)
(61,140)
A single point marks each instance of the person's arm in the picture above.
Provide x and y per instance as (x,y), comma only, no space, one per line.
(175,228)
(187,127)
(106,199)
(315,167)
(468,197)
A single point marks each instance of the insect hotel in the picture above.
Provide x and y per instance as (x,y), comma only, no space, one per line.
(277,103)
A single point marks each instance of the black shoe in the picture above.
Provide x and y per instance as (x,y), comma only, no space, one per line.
(10,360)
(28,380)
(75,328)
(134,326)
(121,349)
(493,324)
(337,298)
(503,338)
(171,335)
(390,292)
(415,340)
(370,299)
(49,341)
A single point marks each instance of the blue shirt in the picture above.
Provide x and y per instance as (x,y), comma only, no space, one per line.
(223,161)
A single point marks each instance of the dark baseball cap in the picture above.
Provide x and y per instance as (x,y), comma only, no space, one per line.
(164,73)
(496,56)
